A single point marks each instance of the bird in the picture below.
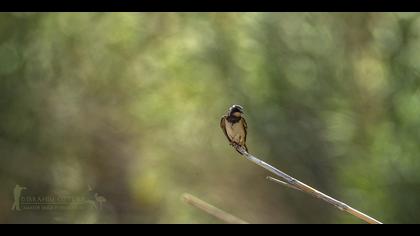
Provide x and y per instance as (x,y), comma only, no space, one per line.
(235,127)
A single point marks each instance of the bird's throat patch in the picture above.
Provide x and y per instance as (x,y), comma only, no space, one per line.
(233,119)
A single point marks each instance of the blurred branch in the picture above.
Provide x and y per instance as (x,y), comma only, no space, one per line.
(212,210)
(296,184)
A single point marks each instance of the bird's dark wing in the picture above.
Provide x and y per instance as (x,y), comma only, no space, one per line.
(223,126)
(246,132)
(245,127)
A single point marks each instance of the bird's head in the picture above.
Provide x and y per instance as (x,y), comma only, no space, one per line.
(236,110)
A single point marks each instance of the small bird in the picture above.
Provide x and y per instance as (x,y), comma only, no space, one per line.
(234,126)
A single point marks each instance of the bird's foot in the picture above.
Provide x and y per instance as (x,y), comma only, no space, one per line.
(235,144)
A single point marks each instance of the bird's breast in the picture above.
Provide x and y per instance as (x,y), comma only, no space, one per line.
(235,130)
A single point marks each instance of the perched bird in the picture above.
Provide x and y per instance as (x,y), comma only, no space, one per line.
(234,126)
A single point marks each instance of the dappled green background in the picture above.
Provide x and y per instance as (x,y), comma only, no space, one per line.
(130,103)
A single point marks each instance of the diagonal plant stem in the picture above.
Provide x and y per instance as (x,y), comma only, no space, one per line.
(212,210)
(296,184)
(282,183)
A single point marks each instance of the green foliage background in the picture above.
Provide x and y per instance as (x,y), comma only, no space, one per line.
(130,103)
